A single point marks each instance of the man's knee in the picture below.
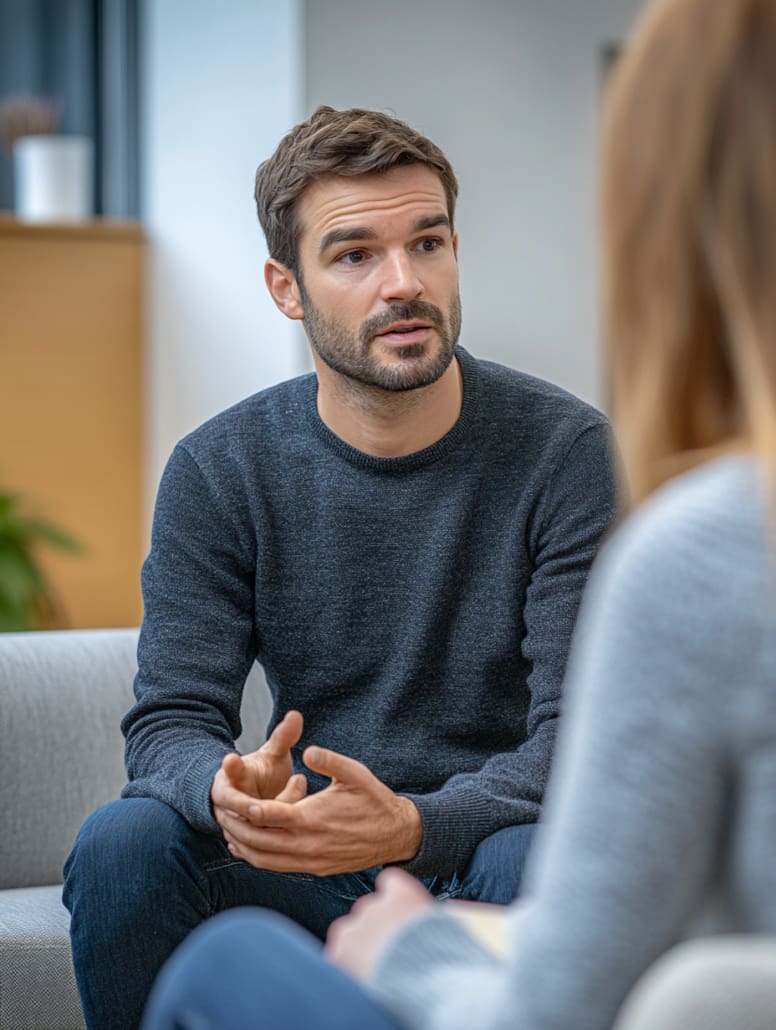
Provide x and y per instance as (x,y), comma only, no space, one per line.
(496,869)
(131,824)
(125,840)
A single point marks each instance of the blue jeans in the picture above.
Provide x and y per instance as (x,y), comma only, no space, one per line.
(251,968)
(140,879)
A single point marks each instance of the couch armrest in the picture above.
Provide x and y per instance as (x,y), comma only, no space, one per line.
(62,697)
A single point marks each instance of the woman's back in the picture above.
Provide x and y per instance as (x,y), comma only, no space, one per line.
(661,812)
(714,525)
(747,570)
(666,787)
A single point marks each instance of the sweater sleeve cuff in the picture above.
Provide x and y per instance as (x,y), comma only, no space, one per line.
(418,970)
(196,800)
(189,794)
(454,823)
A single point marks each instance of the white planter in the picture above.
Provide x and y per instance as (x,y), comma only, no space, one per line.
(53,178)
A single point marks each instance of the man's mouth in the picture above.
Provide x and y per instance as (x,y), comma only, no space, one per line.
(405,332)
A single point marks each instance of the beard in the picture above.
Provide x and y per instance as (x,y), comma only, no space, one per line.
(352,354)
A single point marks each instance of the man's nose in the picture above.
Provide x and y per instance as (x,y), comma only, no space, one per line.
(400,278)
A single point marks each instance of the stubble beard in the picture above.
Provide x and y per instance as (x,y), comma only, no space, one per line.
(352,355)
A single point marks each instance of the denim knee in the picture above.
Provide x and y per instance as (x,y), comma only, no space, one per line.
(123,842)
(135,885)
(130,826)
(496,868)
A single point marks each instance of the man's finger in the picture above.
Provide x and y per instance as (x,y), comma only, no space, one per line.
(231,798)
(272,848)
(233,768)
(287,733)
(336,766)
(256,838)
(294,790)
(396,882)
(276,815)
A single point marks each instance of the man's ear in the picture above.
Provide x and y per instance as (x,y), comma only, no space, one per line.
(284,290)
(455,243)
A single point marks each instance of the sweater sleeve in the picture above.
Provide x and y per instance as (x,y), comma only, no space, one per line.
(635,814)
(574,512)
(196,646)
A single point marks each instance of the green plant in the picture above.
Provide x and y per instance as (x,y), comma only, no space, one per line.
(26,599)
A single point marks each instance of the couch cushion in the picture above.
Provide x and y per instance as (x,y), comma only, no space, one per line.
(37,985)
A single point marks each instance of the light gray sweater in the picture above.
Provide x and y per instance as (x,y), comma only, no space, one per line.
(661,808)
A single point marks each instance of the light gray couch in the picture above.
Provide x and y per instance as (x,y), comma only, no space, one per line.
(62,696)
(712,983)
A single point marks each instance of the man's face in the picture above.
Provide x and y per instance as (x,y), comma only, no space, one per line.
(378,277)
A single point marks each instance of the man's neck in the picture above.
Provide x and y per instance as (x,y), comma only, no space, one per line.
(387,424)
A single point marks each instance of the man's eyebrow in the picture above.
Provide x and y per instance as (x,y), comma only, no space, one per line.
(345,236)
(431,222)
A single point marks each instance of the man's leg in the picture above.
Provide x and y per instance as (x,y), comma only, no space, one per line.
(252,968)
(139,880)
(496,868)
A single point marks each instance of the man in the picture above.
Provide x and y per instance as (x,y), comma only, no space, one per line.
(401,539)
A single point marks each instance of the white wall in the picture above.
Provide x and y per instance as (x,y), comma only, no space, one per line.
(222,82)
(509,89)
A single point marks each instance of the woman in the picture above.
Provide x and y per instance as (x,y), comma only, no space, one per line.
(661,813)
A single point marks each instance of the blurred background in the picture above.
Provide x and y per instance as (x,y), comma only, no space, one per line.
(136,309)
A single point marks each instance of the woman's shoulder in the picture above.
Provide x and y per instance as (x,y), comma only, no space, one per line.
(718,511)
(685,591)
(700,543)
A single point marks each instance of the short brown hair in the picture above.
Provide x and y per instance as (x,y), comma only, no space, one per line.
(689,232)
(352,142)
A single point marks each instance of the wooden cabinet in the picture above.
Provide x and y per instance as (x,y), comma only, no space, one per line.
(71,329)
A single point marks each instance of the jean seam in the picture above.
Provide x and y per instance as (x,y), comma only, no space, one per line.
(221,863)
(322,884)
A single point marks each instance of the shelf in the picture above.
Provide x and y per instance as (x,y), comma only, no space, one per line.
(94,229)
(71,404)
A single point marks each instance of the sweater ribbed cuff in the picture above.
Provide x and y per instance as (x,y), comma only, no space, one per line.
(454,823)
(422,964)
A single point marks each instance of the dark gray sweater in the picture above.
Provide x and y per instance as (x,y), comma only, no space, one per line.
(416,610)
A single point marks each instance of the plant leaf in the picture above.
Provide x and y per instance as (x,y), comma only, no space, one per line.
(51,535)
(25,595)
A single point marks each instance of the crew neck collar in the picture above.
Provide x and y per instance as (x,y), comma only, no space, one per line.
(470,380)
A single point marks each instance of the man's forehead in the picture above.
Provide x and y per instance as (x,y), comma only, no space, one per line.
(334,202)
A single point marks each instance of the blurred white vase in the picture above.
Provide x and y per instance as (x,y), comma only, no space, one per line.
(53,178)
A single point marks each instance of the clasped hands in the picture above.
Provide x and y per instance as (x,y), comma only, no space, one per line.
(355,823)
(269,821)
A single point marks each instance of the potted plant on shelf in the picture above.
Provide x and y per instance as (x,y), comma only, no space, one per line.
(26,598)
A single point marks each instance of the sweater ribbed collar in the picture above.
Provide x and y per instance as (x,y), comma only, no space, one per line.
(471,386)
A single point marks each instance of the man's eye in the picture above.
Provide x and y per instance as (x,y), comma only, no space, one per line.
(353,257)
(429,245)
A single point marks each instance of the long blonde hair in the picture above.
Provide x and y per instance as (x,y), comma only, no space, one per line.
(689,236)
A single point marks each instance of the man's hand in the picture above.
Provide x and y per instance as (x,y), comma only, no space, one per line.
(265,773)
(355,941)
(354,823)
